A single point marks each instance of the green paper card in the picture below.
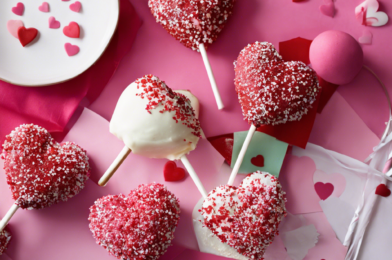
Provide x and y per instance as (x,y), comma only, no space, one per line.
(265,153)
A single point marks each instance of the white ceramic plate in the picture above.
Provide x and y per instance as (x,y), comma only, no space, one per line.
(46,62)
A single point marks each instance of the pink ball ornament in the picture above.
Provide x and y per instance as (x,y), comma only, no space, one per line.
(336,57)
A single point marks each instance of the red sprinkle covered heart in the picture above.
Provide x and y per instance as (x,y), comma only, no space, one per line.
(192,22)
(324,190)
(41,172)
(383,190)
(138,226)
(258,161)
(246,218)
(72,30)
(272,91)
(5,238)
(173,173)
(26,35)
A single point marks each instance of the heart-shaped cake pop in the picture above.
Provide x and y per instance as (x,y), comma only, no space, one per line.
(270,90)
(41,172)
(192,22)
(138,226)
(154,121)
(5,238)
(246,218)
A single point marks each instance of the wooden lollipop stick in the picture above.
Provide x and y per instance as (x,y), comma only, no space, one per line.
(8,216)
(240,158)
(211,76)
(194,176)
(114,166)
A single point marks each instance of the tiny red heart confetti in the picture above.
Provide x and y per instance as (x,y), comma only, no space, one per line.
(173,173)
(383,190)
(324,190)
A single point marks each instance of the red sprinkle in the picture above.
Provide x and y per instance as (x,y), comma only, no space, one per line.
(272,91)
(138,226)
(246,218)
(158,93)
(5,238)
(41,172)
(192,22)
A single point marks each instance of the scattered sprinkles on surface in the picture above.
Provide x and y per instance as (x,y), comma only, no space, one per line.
(5,238)
(272,91)
(138,226)
(246,218)
(158,93)
(41,172)
(192,22)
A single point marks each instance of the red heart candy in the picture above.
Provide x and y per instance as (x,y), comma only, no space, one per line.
(383,190)
(72,30)
(324,190)
(5,238)
(270,90)
(138,226)
(173,173)
(192,22)
(41,172)
(26,36)
(246,218)
(258,161)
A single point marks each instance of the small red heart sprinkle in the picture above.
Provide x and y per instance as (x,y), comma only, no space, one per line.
(173,173)
(258,161)
(26,35)
(72,30)
(324,190)
(383,190)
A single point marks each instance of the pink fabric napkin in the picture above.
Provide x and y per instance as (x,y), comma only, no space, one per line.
(53,106)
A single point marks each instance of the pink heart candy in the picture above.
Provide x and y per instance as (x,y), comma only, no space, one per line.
(76,7)
(44,7)
(18,9)
(53,23)
(71,49)
(13,26)
(328,8)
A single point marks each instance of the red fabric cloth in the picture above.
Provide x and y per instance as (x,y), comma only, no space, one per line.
(53,106)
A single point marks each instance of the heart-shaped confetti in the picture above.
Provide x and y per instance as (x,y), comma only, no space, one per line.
(18,9)
(53,23)
(13,27)
(27,35)
(5,238)
(383,190)
(192,22)
(44,7)
(328,8)
(76,7)
(246,218)
(367,13)
(41,172)
(324,190)
(71,50)
(366,38)
(272,91)
(173,173)
(138,226)
(258,161)
(72,30)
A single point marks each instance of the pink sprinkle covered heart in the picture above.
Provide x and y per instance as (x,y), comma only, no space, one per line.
(76,7)
(53,23)
(328,8)
(366,38)
(44,7)
(71,50)
(324,190)
(18,9)
(13,26)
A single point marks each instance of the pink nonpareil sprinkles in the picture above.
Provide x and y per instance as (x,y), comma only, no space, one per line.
(246,218)
(158,93)
(5,238)
(41,172)
(138,226)
(272,91)
(192,22)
